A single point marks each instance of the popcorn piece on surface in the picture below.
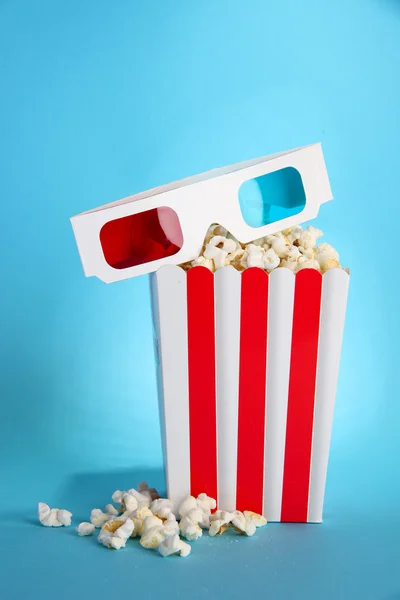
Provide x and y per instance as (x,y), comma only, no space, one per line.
(152,538)
(242,524)
(219,522)
(111,510)
(206,505)
(129,501)
(115,533)
(85,528)
(190,530)
(206,502)
(143,498)
(142,513)
(161,507)
(217,527)
(258,520)
(98,518)
(143,488)
(171,525)
(151,522)
(64,517)
(189,503)
(53,517)
(137,517)
(189,524)
(117,496)
(172,545)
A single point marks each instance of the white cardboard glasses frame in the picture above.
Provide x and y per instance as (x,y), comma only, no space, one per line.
(198,201)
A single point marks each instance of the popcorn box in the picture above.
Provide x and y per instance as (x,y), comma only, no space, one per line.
(248,365)
(247,361)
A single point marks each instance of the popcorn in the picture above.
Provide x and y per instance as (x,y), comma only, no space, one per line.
(98,517)
(308,237)
(289,264)
(246,522)
(270,260)
(115,533)
(293,233)
(189,524)
(53,517)
(142,499)
(172,545)
(161,507)
(111,510)
(211,250)
(132,499)
(203,262)
(255,256)
(155,530)
(220,259)
(138,517)
(279,243)
(327,257)
(206,502)
(189,529)
(150,522)
(293,248)
(258,520)
(154,521)
(144,489)
(85,528)
(189,503)
(171,525)
(117,496)
(293,253)
(242,524)
(220,521)
(153,537)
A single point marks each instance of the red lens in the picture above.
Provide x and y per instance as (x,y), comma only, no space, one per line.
(142,238)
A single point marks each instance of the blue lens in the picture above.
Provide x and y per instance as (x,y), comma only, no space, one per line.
(272,197)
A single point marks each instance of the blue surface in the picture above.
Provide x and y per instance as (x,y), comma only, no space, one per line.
(99,100)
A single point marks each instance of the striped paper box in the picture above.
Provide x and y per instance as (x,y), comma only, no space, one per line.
(247,368)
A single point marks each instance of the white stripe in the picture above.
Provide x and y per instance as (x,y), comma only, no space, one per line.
(333,309)
(280,319)
(227,313)
(170,301)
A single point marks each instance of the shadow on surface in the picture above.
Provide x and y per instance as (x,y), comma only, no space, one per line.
(82,492)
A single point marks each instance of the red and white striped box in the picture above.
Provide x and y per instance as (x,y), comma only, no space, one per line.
(248,365)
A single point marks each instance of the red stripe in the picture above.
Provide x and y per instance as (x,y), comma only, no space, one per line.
(202,382)
(252,379)
(300,415)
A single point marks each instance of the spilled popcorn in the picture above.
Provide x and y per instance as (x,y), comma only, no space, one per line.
(294,248)
(53,517)
(142,513)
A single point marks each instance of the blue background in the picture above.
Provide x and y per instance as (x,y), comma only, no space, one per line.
(102,99)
